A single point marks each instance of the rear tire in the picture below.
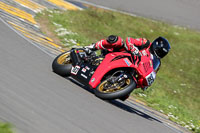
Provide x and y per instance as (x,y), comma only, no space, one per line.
(104,94)
(62,64)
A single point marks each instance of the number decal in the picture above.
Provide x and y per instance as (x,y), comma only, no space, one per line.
(75,70)
(150,78)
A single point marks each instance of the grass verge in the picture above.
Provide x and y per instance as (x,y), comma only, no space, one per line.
(176,89)
(5,128)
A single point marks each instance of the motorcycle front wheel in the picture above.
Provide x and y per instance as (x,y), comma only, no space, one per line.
(62,64)
(109,91)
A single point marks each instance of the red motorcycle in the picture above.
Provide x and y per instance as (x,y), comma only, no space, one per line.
(113,75)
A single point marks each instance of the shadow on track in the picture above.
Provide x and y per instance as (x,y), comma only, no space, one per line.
(118,103)
(125,107)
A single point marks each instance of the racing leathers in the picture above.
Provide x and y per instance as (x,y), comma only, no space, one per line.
(116,43)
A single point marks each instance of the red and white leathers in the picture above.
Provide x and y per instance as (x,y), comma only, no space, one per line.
(131,44)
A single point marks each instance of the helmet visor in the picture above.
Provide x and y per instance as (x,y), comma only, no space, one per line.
(160,53)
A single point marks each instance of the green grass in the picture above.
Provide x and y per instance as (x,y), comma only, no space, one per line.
(5,128)
(176,89)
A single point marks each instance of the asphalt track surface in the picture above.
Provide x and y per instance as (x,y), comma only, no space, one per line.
(179,12)
(36,100)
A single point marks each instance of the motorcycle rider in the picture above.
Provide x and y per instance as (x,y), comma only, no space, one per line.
(158,48)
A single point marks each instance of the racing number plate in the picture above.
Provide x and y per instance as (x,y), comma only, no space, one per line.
(75,70)
(150,78)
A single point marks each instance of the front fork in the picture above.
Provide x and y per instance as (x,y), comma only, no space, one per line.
(119,78)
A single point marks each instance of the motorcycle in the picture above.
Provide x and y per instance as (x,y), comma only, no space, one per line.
(112,76)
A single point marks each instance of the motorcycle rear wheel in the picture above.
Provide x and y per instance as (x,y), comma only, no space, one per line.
(62,64)
(117,91)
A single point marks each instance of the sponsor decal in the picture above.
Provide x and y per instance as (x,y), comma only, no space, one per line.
(151,64)
(93,79)
(84,76)
(144,53)
(75,70)
(86,67)
(128,62)
(84,70)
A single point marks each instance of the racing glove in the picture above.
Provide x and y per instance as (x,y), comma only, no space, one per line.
(89,49)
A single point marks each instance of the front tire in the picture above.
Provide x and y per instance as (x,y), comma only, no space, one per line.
(62,64)
(117,92)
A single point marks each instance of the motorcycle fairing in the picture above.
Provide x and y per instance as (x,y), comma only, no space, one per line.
(110,62)
(143,66)
(145,69)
